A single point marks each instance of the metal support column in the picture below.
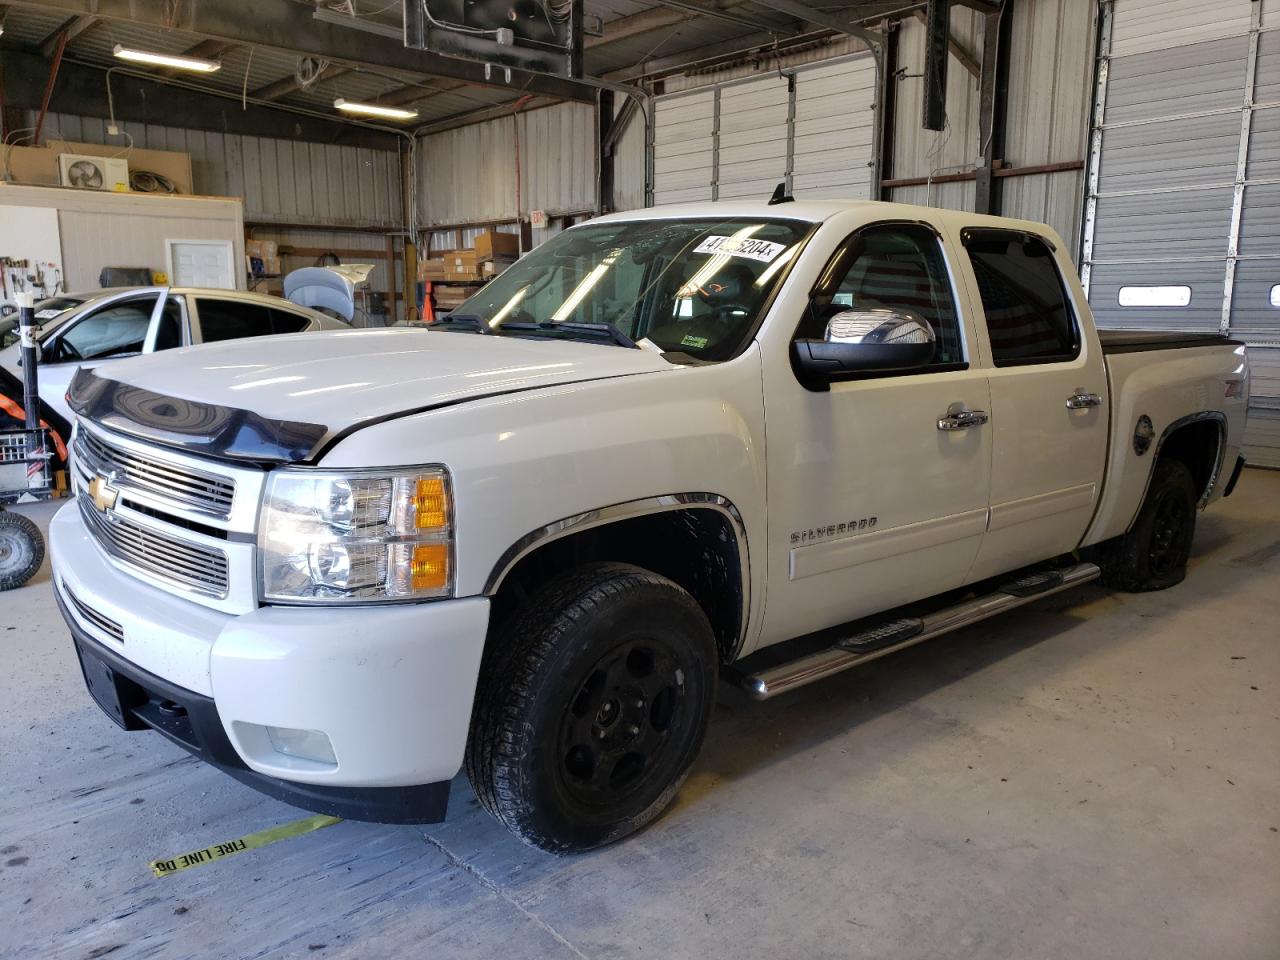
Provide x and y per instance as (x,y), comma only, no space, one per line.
(993,106)
(604,151)
(1242,165)
(886,111)
(1095,143)
(936,55)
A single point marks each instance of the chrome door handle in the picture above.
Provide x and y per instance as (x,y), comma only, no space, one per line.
(1082,401)
(963,420)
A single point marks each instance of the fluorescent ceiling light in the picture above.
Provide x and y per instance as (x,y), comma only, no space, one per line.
(173,60)
(374,110)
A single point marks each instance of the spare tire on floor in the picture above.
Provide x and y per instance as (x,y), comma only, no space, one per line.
(21,550)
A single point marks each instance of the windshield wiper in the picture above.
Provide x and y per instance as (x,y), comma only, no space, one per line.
(598,329)
(466,321)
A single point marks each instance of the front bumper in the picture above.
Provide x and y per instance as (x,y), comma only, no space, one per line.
(390,687)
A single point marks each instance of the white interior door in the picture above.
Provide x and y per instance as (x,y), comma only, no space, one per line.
(201,263)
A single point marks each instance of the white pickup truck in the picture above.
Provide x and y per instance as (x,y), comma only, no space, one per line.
(767,442)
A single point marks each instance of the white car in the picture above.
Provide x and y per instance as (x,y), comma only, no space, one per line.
(91,329)
(765,442)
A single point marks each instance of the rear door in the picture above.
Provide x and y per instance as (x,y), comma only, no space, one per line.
(1048,399)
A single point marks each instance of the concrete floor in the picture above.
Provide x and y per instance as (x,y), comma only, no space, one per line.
(1094,776)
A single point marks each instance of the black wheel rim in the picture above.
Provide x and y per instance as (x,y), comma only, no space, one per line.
(625,722)
(1170,535)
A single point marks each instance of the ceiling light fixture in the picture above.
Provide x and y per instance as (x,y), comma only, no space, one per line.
(374,110)
(171,60)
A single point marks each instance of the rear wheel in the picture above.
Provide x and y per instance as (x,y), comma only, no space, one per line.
(21,550)
(1153,554)
(592,707)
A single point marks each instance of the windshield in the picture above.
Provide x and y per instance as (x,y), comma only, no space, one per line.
(694,286)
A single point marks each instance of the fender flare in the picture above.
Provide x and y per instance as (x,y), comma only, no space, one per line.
(646,506)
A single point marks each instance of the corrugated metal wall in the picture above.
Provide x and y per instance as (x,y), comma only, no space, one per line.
(280,181)
(467,175)
(1050,61)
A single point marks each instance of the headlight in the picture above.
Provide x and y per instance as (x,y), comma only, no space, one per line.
(373,535)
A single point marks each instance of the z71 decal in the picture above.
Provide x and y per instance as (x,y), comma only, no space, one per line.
(832,530)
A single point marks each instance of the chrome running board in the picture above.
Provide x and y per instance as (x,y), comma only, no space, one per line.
(885,638)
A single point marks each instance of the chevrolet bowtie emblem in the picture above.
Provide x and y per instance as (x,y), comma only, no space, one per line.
(102,494)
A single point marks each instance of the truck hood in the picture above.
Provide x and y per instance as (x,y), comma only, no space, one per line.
(284,398)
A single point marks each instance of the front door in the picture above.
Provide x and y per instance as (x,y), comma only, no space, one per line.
(1048,400)
(872,501)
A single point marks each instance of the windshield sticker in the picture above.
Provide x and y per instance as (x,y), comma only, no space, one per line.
(698,343)
(766,251)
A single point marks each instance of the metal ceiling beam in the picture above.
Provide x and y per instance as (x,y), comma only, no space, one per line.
(802,11)
(982,6)
(291,27)
(81,90)
(72,27)
(287,85)
(708,8)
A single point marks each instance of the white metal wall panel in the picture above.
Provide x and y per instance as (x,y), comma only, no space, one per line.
(280,180)
(468,174)
(628,166)
(835,125)
(684,148)
(753,140)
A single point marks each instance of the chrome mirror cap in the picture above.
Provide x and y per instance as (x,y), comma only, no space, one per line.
(878,325)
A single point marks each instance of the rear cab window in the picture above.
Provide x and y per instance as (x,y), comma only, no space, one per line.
(1026,305)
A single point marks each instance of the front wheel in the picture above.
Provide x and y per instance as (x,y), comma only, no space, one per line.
(1153,554)
(592,707)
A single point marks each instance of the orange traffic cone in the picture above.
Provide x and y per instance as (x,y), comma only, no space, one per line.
(428,311)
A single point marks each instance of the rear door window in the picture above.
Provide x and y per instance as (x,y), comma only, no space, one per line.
(1028,313)
(237,319)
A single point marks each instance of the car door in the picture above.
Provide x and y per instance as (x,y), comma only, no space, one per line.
(124,325)
(877,488)
(1048,390)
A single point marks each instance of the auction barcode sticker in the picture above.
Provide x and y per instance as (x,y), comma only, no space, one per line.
(252,841)
(762,250)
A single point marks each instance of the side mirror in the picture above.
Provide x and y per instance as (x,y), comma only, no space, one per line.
(864,341)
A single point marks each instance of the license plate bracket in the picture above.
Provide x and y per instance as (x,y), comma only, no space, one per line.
(103,686)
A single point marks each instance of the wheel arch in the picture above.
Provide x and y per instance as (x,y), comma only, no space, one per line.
(1199,440)
(698,540)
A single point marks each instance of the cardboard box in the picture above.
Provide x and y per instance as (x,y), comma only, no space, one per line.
(492,245)
(491,268)
(462,265)
(262,249)
(431,269)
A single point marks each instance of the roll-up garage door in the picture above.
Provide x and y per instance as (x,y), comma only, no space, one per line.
(684,148)
(811,127)
(752,139)
(835,122)
(1182,229)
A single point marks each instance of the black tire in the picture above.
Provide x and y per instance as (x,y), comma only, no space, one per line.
(21,550)
(1153,554)
(592,706)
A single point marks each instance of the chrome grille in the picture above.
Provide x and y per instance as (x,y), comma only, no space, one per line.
(182,563)
(193,490)
(90,615)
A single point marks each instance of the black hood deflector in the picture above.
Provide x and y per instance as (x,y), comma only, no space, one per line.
(203,429)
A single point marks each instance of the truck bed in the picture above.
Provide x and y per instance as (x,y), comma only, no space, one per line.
(1137,341)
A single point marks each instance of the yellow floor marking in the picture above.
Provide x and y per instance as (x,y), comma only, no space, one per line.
(196,858)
